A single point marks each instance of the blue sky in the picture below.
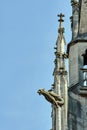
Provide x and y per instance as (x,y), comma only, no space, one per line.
(28,32)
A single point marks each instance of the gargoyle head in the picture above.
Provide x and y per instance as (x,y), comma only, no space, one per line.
(40,91)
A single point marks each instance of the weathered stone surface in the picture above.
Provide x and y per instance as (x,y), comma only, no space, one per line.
(76,62)
(77,108)
(77,112)
(83,17)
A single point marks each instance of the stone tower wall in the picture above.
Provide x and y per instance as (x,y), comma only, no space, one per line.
(77,112)
(76,62)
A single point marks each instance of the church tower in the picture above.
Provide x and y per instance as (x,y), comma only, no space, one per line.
(69,109)
(77,52)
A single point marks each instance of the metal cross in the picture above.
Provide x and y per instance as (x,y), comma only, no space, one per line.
(60,16)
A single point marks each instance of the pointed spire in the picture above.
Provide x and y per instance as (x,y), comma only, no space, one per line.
(60,40)
(60,79)
(60,48)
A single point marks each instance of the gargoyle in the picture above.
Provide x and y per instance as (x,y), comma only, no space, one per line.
(52,97)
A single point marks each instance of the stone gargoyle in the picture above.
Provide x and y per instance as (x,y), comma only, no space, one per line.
(51,97)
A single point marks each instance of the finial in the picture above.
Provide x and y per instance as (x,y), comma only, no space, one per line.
(60,16)
(61,29)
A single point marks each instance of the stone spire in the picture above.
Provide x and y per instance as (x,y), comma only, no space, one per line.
(60,44)
(83,18)
(59,115)
(57,95)
(60,40)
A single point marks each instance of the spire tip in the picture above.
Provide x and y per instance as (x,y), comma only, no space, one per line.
(61,29)
(60,17)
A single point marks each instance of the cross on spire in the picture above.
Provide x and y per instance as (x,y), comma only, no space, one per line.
(61,18)
(61,29)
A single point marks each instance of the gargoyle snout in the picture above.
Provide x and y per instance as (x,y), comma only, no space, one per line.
(39,92)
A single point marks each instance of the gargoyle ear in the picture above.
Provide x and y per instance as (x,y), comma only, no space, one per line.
(41,89)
